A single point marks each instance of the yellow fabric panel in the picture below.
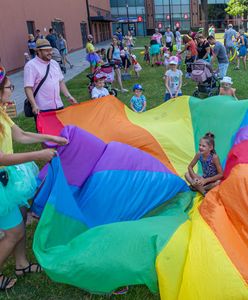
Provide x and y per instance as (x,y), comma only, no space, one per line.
(208,272)
(170,263)
(6,145)
(171,125)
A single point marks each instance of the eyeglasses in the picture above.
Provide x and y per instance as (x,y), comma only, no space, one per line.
(11,87)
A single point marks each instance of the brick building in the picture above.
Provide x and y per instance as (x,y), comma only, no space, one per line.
(20,17)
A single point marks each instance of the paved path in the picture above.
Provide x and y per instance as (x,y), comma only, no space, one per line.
(77,58)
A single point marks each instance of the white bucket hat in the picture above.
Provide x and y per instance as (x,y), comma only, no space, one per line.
(226,79)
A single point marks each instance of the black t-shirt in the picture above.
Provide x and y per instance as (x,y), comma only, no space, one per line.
(202,49)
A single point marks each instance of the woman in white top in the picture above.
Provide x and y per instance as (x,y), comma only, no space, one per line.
(115,56)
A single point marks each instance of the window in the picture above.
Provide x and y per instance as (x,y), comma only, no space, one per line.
(31,27)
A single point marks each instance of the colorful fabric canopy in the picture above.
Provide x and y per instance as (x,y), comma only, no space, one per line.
(108,222)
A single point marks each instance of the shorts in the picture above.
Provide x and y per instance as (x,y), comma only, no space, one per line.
(242,51)
(170,46)
(167,96)
(11,220)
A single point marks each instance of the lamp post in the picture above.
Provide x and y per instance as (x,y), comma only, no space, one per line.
(88,16)
(127,15)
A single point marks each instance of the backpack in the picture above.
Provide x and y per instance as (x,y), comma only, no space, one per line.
(246,40)
(108,53)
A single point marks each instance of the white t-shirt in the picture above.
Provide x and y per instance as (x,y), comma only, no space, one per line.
(173,80)
(98,93)
(168,36)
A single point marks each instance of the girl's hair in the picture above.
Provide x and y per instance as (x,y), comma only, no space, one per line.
(186,39)
(209,138)
(146,47)
(2,84)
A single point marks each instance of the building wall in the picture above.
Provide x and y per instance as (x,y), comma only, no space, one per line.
(13,27)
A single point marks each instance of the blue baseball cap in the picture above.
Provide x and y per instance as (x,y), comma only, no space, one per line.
(137,87)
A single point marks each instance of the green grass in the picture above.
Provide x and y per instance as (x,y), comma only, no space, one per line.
(39,286)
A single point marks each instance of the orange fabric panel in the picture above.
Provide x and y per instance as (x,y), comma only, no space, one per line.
(225,209)
(110,123)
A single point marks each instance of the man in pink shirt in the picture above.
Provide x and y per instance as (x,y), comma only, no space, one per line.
(48,97)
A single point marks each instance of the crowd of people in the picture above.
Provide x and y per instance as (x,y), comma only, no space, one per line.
(43,83)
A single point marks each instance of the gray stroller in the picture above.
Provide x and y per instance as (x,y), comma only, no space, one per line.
(208,83)
(58,58)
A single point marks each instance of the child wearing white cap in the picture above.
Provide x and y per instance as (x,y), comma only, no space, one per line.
(226,87)
(173,80)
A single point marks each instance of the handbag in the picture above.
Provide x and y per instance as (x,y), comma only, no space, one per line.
(27,105)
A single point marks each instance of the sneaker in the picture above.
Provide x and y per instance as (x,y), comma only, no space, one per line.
(236,68)
(124,90)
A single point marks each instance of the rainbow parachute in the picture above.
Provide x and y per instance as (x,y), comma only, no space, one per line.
(114,215)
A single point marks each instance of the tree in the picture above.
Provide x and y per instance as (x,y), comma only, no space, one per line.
(238,8)
(204,15)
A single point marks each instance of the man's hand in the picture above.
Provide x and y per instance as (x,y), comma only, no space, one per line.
(72,100)
(35,109)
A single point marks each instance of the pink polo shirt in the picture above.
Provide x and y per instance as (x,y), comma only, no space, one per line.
(48,96)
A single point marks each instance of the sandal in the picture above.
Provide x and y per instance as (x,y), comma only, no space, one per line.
(28,269)
(121,291)
(6,282)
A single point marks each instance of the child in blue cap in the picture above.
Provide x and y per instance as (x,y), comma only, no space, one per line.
(138,101)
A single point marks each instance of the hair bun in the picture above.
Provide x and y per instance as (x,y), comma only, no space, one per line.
(210,135)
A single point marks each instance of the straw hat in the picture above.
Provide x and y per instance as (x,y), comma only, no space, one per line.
(42,44)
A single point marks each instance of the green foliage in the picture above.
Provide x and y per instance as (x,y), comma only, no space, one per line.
(237,7)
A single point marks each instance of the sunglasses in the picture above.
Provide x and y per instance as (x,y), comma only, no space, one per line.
(11,87)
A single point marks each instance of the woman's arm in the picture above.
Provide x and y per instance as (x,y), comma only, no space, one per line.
(192,174)
(219,174)
(25,137)
(207,52)
(19,158)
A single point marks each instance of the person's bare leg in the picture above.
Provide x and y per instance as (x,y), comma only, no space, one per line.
(7,244)
(244,61)
(20,248)
(211,185)
(118,76)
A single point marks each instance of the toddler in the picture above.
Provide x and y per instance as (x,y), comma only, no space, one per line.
(147,58)
(173,80)
(99,90)
(138,101)
(166,58)
(226,87)
(211,167)
(136,66)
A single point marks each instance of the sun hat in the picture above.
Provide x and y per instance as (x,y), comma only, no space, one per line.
(2,73)
(90,37)
(230,25)
(43,44)
(226,79)
(173,60)
(137,86)
(99,77)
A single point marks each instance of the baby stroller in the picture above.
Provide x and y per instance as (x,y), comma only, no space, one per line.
(207,81)
(58,58)
(106,70)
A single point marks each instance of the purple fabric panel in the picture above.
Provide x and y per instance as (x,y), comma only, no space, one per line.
(80,156)
(241,135)
(118,156)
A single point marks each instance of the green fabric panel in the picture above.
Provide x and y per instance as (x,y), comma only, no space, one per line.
(106,257)
(221,115)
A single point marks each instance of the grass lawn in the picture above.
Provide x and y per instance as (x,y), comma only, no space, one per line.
(40,286)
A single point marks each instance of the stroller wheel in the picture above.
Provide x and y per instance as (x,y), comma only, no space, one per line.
(211,94)
(113,92)
(196,94)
